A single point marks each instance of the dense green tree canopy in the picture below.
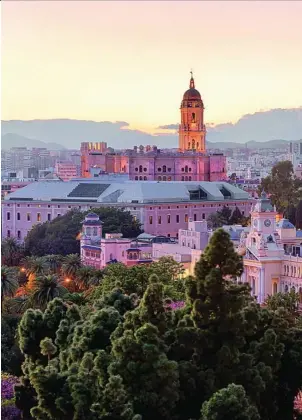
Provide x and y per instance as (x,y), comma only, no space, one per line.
(126,355)
(227,217)
(283,187)
(60,235)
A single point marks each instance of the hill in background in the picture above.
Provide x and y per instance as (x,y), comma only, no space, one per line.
(277,126)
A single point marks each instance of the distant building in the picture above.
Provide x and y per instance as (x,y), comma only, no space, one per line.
(189,163)
(65,170)
(162,207)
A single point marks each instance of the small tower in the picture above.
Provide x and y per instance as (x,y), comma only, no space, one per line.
(192,132)
(91,231)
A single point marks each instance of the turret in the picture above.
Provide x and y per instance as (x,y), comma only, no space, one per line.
(91,230)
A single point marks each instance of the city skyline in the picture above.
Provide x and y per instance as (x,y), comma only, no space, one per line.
(130,61)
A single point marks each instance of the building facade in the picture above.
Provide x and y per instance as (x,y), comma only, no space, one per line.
(162,207)
(189,163)
(272,253)
(65,170)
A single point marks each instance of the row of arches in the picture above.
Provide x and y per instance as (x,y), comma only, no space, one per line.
(292,271)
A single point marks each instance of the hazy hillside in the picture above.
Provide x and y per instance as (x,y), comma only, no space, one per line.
(276,124)
(15,140)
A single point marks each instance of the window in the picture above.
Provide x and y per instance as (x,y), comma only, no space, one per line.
(136,169)
(145,178)
(159,220)
(150,220)
(19,234)
(164,178)
(193,118)
(8,233)
(159,178)
(48,206)
(190,178)
(8,215)
(38,217)
(169,169)
(28,217)
(59,206)
(158,169)
(18,216)
(186,168)
(195,217)
(182,178)
(140,178)
(145,169)
(123,253)
(140,168)
(164,168)
(49,217)
(194,246)
(95,231)
(169,178)
(177,218)
(182,169)
(203,216)
(197,145)
(59,214)
(136,178)
(186,218)
(168,218)
(190,169)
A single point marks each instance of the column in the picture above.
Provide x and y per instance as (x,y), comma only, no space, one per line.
(262,282)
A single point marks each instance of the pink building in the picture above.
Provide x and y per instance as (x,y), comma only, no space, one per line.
(189,163)
(65,170)
(272,253)
(98,252)
(162,207)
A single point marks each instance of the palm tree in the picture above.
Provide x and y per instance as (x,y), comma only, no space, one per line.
(87,277)
(9,282)
(70,265)
(53,262)
(34,267)
(11,252)
(46,288)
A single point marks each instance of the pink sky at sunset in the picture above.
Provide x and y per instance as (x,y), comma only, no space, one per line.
(130,61)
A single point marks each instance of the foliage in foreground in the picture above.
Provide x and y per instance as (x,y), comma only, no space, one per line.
(219,357)
(8,409)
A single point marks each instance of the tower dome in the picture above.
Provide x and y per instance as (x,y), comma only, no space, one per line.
(192,94)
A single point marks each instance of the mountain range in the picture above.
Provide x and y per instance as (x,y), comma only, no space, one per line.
(273,128)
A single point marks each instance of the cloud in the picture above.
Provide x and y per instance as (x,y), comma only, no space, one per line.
(168,127)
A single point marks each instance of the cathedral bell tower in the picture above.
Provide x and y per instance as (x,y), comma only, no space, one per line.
(192,132)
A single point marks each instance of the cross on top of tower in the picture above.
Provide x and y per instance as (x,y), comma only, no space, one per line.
(192,83)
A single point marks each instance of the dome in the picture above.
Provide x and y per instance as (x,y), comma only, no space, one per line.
(92,216)
(285,224)
(192,94)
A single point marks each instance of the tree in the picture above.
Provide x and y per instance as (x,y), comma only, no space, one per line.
(236,217)
(11,252)
(9,282)
(282,186)
(70,265)
(290,214)
(299,215)
(60,236)
(230,403)
(45,289)
(220,218)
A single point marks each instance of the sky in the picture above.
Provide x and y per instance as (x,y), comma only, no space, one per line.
(131,61)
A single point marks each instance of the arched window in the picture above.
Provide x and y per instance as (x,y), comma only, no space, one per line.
(197,145)
(293,290)
(275,288)
(140,168)
(186,168)
(182,178)
(111,257)
(136,178)
(186,178)
(189,145)
(193,117)
(193,144)
(140,178)
(159,178)
(194,246)
(164,178)
(88,231)
(182,169)
(159,169)
(164,168)
(169,178)
(190,169)
(145,178)
(145,169)
(95,231)
(286,289)
(190,178)
(136,169)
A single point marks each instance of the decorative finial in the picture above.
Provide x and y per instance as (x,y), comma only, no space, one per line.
(192,84)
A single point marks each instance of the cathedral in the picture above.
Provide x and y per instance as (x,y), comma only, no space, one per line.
(190,162)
